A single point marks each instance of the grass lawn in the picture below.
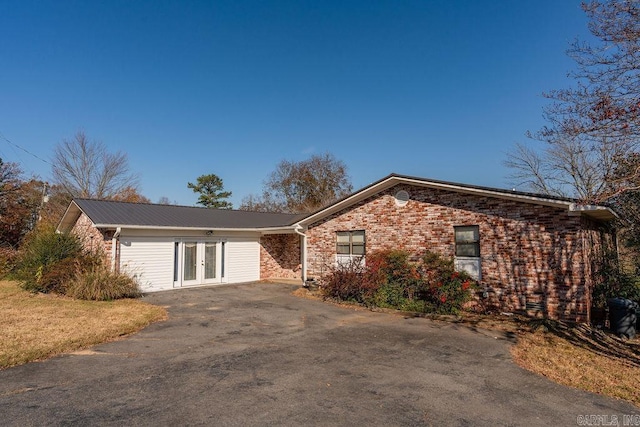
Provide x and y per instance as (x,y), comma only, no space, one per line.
(574,355)
(582,357)
(37,326)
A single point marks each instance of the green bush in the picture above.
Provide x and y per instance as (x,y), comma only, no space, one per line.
(446,289)
(98,283)
(391,280)
(42,249)
(397,278)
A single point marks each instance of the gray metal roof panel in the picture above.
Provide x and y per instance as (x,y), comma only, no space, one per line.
(154,215)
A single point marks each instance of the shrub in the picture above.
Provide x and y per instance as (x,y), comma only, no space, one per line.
(391,280)
(613,282)
(8,260)
(98,283)
(347,282)
(397,279)
(57,276)
(445,288)
(41,250)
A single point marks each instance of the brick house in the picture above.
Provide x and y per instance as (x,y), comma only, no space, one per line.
(531,253)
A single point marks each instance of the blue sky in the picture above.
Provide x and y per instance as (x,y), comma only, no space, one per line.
(437,89)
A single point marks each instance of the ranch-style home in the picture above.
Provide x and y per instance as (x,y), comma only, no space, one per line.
(530,252)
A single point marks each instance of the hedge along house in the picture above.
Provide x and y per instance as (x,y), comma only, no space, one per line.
(531,253)
(167,246)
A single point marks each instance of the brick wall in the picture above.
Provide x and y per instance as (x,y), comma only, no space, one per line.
(529,253)
(92,239)
(280,256)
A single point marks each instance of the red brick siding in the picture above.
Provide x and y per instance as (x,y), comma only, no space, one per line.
(93,239)
(529,253)
(280,256)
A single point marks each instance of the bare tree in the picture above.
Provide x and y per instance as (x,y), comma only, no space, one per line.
(305,186)
(85,168)
(261,203)
(131,195)
(595,126)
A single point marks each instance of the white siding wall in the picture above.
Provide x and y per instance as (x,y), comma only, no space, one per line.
(150,259)
(243,260)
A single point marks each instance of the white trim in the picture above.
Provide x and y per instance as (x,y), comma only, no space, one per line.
(114,248)
(303,252)
(263,230)
(599,212)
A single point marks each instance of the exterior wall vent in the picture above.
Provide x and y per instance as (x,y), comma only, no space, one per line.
(402,198)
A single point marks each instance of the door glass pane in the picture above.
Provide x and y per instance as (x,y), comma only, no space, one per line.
(176,263)
(210,261)
(189,266)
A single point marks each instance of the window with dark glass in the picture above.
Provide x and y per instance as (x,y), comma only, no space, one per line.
(350,243)
(467,241)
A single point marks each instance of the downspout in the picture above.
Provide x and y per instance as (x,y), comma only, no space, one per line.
(303,254)
(114,249)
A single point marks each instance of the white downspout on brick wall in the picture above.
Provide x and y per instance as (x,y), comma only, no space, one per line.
(114,248)
(303,254)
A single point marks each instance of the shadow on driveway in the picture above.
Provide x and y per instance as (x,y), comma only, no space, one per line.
(256,355)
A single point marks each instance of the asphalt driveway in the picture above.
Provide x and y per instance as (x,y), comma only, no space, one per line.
(256,355)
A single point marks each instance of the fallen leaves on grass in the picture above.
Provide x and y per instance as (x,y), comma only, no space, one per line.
(582,357)
(37,326)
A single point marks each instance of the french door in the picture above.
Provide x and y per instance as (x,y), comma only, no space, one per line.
(198,262)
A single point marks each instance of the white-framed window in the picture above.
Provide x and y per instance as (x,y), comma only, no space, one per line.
(467,259)
(467,241)
(350,243)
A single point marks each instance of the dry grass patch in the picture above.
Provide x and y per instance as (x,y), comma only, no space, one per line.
(37,326)
(582,357)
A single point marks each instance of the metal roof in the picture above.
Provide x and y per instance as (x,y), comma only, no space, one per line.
(104,213)
(107,213)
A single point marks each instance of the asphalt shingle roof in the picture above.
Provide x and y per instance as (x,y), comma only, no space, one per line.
(106,212)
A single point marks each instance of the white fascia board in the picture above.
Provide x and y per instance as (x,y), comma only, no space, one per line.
(394,180)
(595,211)
(65,224)
(264,230)
(354,198)
(484,192)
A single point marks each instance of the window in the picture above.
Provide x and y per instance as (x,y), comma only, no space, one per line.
(350,243)
(467,241)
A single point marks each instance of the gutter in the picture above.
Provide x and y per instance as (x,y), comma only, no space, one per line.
(303,254)
(114,248)
(596,211)
(264,230)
